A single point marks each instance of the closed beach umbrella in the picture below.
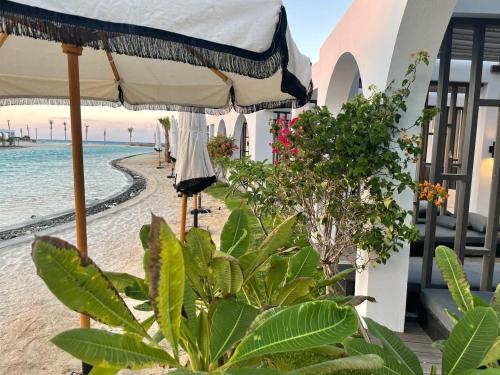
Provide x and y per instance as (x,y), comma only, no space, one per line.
(173,137)
(158,148)
(194,171)
(147,54)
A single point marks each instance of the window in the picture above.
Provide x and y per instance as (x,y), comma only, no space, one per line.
(244,143)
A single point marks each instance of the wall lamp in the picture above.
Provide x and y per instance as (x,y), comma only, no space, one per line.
(491,149)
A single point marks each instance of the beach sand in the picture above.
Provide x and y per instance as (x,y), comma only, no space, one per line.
(30,315)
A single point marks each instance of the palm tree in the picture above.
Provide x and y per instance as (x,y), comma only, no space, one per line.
(64,124)
(86,133)
(165,122)
(104,135)
(130,130)
(51,122)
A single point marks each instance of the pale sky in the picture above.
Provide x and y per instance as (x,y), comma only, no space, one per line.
(310,21)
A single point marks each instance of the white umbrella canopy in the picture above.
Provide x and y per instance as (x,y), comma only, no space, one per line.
(154,54)
(194,171)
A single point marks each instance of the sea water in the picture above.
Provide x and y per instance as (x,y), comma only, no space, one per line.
(37,182)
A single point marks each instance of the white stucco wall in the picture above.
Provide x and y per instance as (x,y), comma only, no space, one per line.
(381,42)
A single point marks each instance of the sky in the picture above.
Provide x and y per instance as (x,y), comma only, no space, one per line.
(310,21)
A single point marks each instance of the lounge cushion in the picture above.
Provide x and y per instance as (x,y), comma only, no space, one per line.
(446,222)
(477,222)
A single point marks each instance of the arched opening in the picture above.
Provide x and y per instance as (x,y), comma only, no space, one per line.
(240,136)
(345,82)
(221,128)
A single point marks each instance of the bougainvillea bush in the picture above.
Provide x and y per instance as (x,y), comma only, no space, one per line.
(343,172)
(221,146)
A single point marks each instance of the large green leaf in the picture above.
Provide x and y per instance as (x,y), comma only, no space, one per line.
(189,306)
(299,327)
(226,274)
(278,238)
(302,264)
(393,344)
(253,371)
(200,247)
(234,238)
(275,276)
(230,322)
(122,280)
(356,363)
(103,371)
(78,283)
(493,354)
(454,275)
(138,290)
(488,371)
(294,290)
(392,365)
(470,340)
(105,349)
(166,280)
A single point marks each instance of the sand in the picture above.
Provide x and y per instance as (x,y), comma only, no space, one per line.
(30,315)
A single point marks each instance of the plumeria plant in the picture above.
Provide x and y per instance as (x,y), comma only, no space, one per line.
(220,149)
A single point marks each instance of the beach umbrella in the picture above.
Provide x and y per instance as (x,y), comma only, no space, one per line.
(194,171)
(158,148)
(148,54)
(173,134)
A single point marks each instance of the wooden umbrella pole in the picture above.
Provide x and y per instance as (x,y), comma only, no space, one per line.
(195,210)
(73,52)
(182,234)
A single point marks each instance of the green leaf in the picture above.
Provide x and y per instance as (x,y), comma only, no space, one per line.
(79,284)
(121,280)
(189,306)
(488,371)
(392,366)
(230,322)
(338,277)
(495,300)
(278,238)
(105,349)
(166,275)
(233,239)
(454,275)
(294,290)
(226,274)
(470,340)
(137,291)
(393,344)
(144,236)
(200,247)
(203,337)
(356,363)
(479,302)
(253,371)
(145,306)
(148,322)
(314,324)
(493,354)
(275,276)
(303,264)
(103,371)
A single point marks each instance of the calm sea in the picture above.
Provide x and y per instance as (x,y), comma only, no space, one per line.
(37,182)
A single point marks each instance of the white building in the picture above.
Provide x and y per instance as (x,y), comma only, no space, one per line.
(372,44)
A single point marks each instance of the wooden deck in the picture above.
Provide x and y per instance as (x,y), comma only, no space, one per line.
(420,343)
(417,340)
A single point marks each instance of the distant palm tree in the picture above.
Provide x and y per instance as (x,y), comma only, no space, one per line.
(130,130)
(86,133)
(104,135)
(64,124)
(51,122)
(165,122)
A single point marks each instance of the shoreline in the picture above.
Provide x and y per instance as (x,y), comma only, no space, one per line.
(137,186)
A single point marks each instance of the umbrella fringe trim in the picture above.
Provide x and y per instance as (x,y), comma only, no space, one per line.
(28,21)
(292,103)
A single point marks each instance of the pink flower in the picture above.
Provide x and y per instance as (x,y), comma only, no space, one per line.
(293,122)
(293,151)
